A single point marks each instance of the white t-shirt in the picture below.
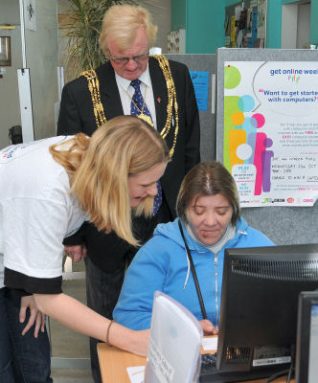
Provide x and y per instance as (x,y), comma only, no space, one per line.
(36,211)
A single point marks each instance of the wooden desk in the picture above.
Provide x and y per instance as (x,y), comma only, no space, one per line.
(114,362)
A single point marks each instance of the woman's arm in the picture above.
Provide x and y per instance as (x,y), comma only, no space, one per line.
(145,275)
(78,317)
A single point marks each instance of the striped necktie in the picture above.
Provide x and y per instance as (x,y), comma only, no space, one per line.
(138,107)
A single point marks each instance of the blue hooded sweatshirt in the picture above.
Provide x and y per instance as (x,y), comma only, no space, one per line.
(162,264)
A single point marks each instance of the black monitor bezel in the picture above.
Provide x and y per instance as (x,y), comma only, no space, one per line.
(306,300)
(285,253)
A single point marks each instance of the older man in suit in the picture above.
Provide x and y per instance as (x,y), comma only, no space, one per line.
(153,88)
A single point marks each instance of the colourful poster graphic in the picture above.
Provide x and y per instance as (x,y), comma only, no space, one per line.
(271,131)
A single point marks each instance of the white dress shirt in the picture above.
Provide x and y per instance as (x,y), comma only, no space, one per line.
(126,92)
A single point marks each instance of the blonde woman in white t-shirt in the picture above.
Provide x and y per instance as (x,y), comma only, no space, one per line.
(47,189)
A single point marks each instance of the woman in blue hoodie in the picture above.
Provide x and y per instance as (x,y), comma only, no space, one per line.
(208,222)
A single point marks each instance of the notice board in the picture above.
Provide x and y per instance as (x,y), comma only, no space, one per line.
(284,182)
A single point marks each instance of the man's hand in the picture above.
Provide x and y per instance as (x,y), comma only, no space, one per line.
(36,318)
(76,252)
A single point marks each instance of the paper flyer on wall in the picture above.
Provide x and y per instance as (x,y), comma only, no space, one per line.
(271,131)
(175,343)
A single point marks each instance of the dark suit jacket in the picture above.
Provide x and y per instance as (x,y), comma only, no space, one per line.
(76,115)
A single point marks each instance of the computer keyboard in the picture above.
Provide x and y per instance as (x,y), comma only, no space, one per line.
(208,361)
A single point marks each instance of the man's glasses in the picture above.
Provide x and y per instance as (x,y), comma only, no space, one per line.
(125,60)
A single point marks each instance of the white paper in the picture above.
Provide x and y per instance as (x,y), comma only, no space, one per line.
(210,344)
(136,374)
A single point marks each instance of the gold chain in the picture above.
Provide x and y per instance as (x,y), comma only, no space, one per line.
(172,120)
(172,104)
(93,86)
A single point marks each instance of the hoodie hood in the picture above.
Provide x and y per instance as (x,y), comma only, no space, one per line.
(171,230)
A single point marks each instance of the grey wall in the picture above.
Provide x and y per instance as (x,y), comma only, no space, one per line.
(207,118)
(161,13)
(9,12)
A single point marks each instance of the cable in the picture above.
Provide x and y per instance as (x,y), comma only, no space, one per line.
(194,274)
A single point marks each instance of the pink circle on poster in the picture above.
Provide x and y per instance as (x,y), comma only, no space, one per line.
(260,119)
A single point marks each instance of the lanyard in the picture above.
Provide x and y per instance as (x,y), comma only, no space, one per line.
(194,273)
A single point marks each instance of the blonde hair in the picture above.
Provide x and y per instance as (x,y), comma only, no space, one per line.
(121,22)
(99,168)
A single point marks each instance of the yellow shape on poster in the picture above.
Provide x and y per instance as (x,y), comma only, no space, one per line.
(237,138)
(238,118)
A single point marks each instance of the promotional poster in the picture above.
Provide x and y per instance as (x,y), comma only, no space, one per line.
(271,131)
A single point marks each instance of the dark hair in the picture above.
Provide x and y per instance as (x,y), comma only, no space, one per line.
(206,179)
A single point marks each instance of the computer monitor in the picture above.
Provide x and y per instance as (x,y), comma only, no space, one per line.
(307,338)
(258,318)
